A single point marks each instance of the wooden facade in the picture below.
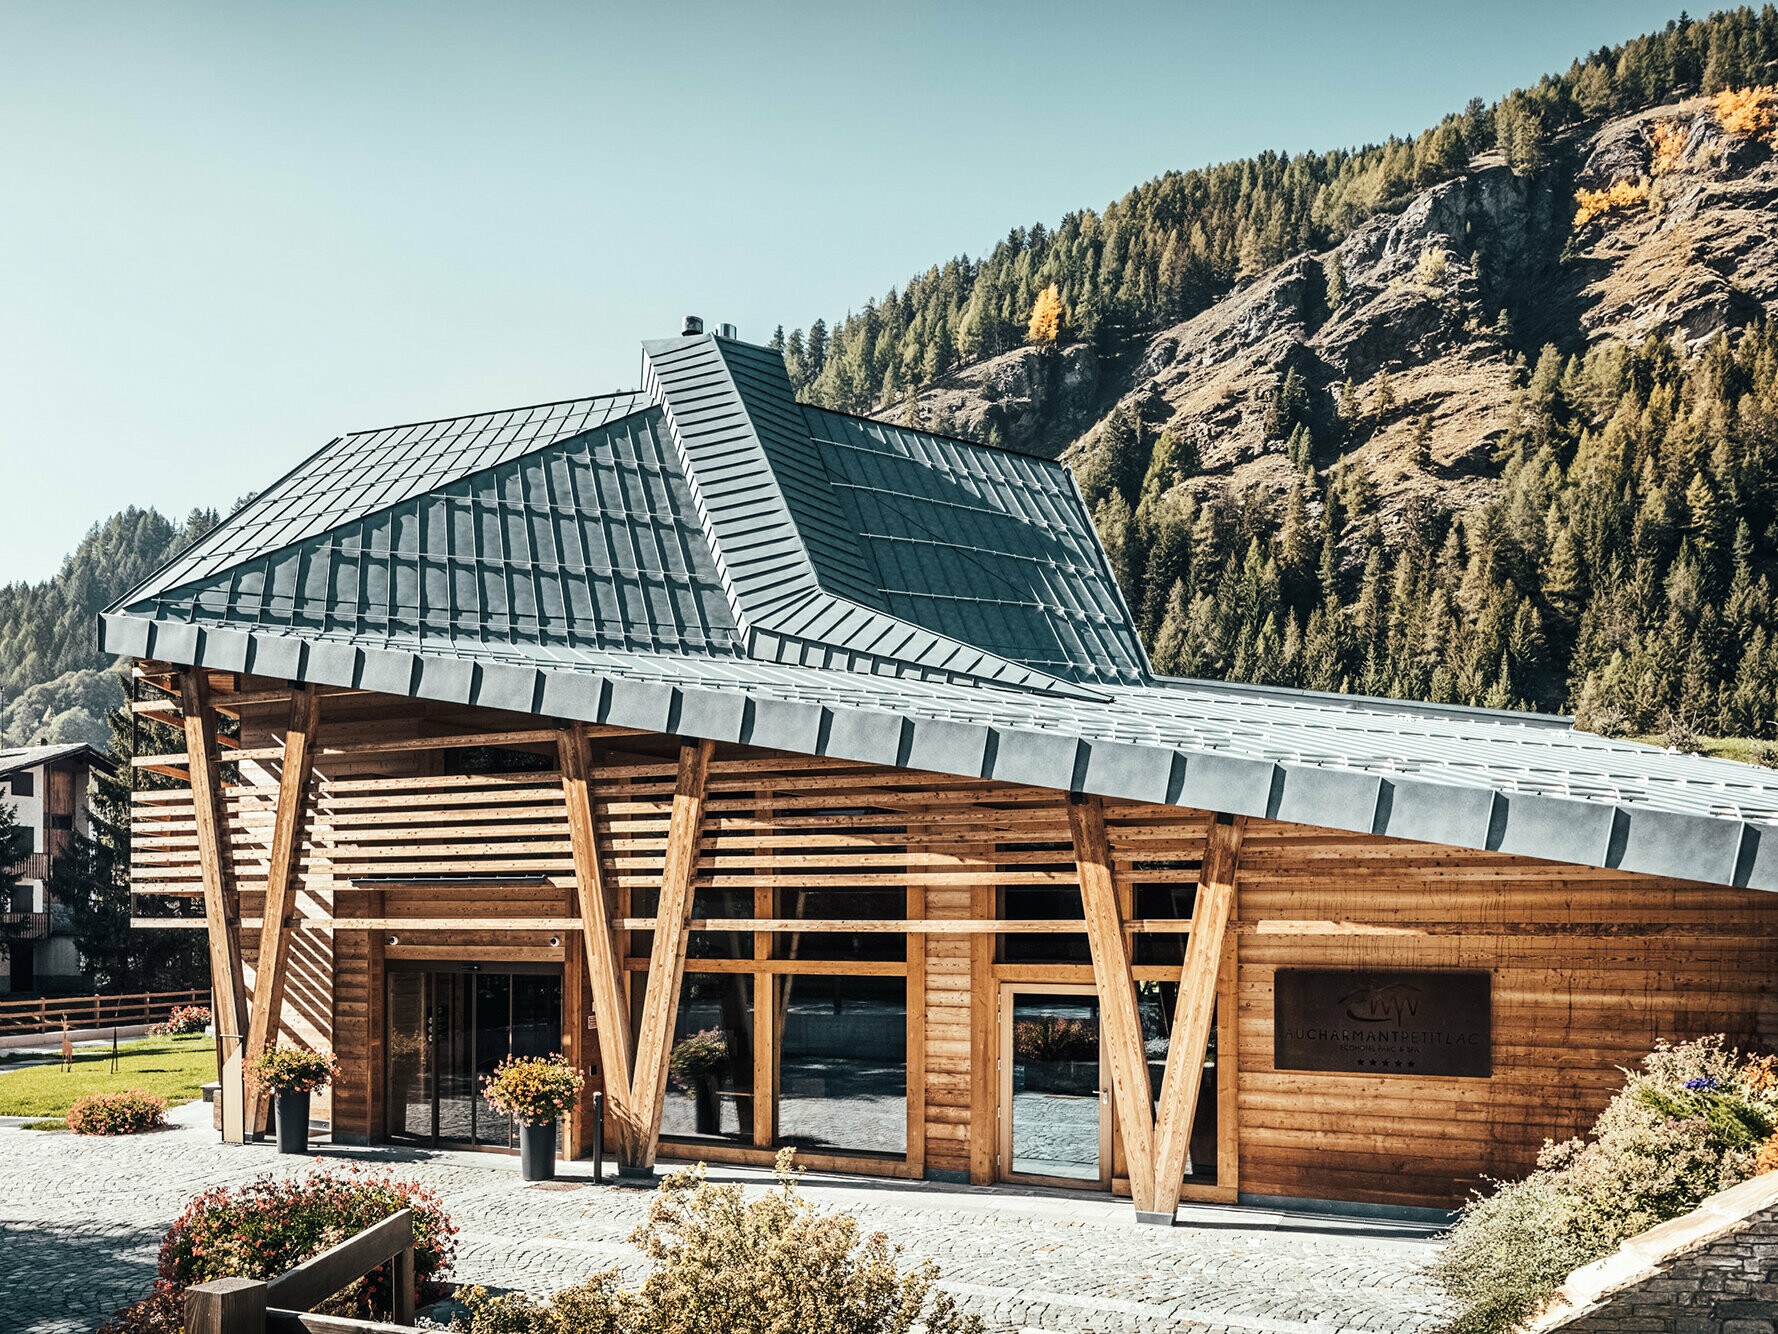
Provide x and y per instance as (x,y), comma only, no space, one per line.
(387,833)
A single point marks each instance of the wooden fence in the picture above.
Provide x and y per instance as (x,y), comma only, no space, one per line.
(48,1014)
(284,1304)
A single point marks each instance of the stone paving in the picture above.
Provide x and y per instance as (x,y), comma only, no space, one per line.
(81,1222)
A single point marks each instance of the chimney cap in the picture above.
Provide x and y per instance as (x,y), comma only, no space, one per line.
(726,330)
(694,324)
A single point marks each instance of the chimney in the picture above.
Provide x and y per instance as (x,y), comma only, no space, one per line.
(693,326)
(726,330)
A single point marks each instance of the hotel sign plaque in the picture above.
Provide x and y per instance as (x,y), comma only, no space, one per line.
(1402,1023)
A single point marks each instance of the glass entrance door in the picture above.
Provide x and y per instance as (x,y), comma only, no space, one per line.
(1055,1122)
(450,1028)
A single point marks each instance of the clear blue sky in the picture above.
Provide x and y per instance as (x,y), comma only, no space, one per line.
(231,231)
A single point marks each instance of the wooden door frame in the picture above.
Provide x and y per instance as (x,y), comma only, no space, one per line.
(1004,995)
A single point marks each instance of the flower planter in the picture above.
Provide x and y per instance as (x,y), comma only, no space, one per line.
(293,1122)
(537,1150)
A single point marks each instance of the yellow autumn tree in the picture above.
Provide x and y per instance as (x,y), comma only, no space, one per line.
(1667,148)
(1622,197)
(1749,112)
(1047,316)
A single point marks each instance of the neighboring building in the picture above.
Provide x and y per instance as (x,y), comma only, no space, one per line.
(47,787)
(802,778)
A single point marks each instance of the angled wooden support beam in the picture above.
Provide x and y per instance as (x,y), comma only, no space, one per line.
(1192,1016)
(666,964)
(220,914)
(269,969)
(611,1005)
(1120,1020)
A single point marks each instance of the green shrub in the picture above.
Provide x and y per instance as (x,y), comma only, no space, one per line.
(1690,1124)
(123,1113)
(273,1224)
(721,1263)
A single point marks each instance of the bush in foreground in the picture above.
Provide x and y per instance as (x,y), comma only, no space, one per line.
(1697,1119)
(720,1263)
(123,1113)
(273,1224)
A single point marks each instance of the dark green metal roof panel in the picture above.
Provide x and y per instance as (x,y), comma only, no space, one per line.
(984,546)
(785,537)
(370,470)
(589,542)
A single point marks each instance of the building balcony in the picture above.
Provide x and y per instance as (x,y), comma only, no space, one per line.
(23,926)
(32,866)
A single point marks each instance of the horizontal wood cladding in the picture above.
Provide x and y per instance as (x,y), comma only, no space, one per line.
(1589,968)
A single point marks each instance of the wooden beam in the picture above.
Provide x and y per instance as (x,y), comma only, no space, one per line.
(666,966)
(1196,1006)
(611,1006)
(274,934)
(219,913)
(1120,1020)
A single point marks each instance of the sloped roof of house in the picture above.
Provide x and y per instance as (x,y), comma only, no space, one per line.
(708,557)
(15,758)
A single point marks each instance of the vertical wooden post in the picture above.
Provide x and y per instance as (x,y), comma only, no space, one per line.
(402,1275)
(226,1306)
(666,964)
(221,916)
(1195,1007)
(611,1005)
(1120,1019)
(984,1040)
(765,988)
(916,1031)
(270,967)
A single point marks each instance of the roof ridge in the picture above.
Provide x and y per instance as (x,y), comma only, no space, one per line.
(489,412)
(934,435)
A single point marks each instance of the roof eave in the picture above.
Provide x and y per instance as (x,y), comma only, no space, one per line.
(1718,850)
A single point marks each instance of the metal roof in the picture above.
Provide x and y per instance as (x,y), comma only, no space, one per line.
(878,594)
(15,758)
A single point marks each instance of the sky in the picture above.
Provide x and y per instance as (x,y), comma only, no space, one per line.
(230,232)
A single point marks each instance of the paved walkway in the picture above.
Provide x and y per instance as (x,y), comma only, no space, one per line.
(81,1222)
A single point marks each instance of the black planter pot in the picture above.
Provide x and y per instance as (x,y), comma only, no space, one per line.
(293,1122)
(705,1107)
(537,1151)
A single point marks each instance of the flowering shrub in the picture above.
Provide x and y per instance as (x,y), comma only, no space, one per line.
(273,1224)
(1691,1123)
(289,1069)
(161,1312)
(698,1057)
(117,1113)
(186,1019)
(724,1263)
(533,1089)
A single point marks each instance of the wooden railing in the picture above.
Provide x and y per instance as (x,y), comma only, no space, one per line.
(50,1013)
(284,1304)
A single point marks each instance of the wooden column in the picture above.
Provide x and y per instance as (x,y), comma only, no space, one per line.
(221,915)
(1204,960)
(1120,1019)
(765,985)
(984,1043)
(611,1006)
(270,971)
(666,964)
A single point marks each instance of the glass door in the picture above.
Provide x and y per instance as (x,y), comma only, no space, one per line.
(447,1029)
(1054,1113)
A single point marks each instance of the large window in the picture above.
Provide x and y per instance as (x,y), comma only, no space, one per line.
(843,1068)
(1024,901)
(710,1066)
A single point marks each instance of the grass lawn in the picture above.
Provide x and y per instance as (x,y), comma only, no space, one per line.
(175,1068)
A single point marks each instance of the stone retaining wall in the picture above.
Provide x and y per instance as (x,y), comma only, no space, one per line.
(1712,1271)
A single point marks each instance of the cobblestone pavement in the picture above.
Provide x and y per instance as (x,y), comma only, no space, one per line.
(81,1222)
